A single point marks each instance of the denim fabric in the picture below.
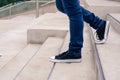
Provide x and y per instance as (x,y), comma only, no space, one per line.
(77,15)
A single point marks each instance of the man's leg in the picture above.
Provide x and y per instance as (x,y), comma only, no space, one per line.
(59,6)
(101,26)
(88,16)
(73,10)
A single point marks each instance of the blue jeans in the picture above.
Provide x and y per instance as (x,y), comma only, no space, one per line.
(77,15)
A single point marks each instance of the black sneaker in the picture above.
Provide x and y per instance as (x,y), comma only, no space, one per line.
(66,57)
(102,33)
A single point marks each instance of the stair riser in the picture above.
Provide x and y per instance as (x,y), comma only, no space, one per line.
(38,36)
(102,11)
(102,8)
(114,23)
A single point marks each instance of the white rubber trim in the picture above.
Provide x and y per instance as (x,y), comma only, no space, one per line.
(65,61)
(105,35)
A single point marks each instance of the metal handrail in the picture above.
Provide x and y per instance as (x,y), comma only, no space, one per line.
(5,6)
(20,4)
(9,9)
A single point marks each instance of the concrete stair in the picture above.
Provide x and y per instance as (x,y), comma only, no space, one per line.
(110,56)
(49,25)
(56,25)
(32,63)
(76,71)
(29,59)
(108,52)
(39,67)
(15,65)
(24,18)
(10,25)
(102,7)
(114,19)
(50,35)
(12,39)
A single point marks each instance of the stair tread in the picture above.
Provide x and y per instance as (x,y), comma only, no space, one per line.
(109,53)
(14,66)
(39,67)
(76,71)
(114,19)
(115,16)
(102,3)
(53,20)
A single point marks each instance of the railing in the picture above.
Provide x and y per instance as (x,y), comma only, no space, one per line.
(5,6)
(21,7)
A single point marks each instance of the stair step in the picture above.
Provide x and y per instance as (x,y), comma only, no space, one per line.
(114,19)
(9,25)
(24,18)
(39,67)
(12,41)
(109,53)
(116,0)
(76,71)
(14,66)
(48,25)
(37,36)
(56,19)
(102,7)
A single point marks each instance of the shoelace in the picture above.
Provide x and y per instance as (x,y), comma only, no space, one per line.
(62,53)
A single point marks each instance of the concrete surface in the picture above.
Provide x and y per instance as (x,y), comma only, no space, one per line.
(14,66)
(37,36)
(40,67)
(76,71)
(49,25)
(12,39)
(114,19)
(102,7)
(109,55)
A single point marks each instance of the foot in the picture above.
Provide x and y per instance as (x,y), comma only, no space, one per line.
(66,57)
(102,33)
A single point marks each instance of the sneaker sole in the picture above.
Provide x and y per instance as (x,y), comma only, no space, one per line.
(66,61)
(106,34)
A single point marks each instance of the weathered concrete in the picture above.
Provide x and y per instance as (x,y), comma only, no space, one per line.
(39,67)
(76,71)
(14,66)
(37,36)
(48,25)
(102,7)
(12,39)
(114,21)
(109,55)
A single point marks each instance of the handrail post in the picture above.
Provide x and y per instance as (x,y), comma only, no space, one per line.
(37,8)
(10,13)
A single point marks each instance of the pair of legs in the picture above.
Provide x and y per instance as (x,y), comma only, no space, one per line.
(77,15)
